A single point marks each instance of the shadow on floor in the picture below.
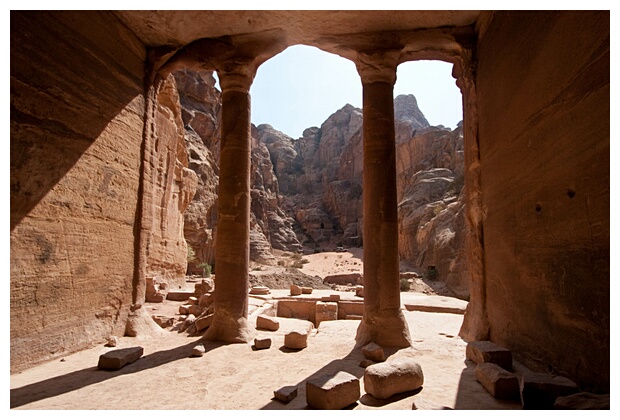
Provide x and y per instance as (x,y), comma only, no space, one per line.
(471,395)
(82,378)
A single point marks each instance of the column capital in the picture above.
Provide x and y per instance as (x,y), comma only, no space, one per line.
(378,65)
(236,74)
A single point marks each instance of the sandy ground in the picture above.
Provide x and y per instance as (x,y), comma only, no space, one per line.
(238,377)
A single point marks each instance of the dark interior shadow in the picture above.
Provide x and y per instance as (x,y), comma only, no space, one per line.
(79,379)
(371,401)
(50,131)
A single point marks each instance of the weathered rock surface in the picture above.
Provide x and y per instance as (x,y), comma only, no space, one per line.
(382,380)
(332,391)
(116,359)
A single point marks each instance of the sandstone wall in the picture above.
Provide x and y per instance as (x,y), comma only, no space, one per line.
(543,104)
(77,111)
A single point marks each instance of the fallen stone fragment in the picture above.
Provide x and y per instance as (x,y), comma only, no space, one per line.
(373,352)
(489,352)
(203,322)
(262,343)
(359,291)
(539,391)
(205,300)
(325,311)
(156,297)
(344,279)
(332,391)
(264,322)
(112,341)
(198,351)
(179,295)
(365,363)
(382,380)
(296,339)
(306,290)
(295,290)
(286,394)
(330,298)
(500,383)
(192,300)
(194,310)
(163,321)
(259,290)
(184,309)
(582,401)
(188,321)
(116,359)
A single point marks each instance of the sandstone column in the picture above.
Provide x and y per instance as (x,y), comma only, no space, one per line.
(383,321)
(232,247)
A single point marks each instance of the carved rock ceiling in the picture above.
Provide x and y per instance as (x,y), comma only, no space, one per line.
(177,28)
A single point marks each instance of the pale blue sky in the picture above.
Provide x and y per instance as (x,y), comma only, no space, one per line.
(302,86)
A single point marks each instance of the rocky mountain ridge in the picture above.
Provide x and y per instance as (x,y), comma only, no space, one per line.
(307,192)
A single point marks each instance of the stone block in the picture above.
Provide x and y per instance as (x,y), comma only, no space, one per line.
(583,401)
(295,290)
(163,320)
(306,290)
(205,300)
(344,279)
(184,309)
(359,291)
(332,391)
(373,352)
(262,343)
(330,298)
(326,311)
(539,391)
(205,286)
(296,339)
(188,321)
(194,310)
(193,300)
(203,322)
(156,297)
(179,295)
(116,359)
(500,383)
(259,290)
(489,352)
(382,380)
(286,394)
(268,323)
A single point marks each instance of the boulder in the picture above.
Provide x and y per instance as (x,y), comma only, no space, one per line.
(539,391)
(325,311)
(262,343)
(296,339)
(373,352)
(295,290)
(382,380)
(332,391)
(489,352)
(500,383)
(286,394)
(264,322)
(163,320)
(116,359)
(582,401)
(198,351)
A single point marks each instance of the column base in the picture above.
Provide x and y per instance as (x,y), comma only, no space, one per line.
(229,329)
(387,328)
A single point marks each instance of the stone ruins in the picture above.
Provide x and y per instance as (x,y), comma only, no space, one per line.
(104,107)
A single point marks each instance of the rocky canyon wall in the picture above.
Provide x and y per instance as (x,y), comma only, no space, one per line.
(543,106)
(77,111)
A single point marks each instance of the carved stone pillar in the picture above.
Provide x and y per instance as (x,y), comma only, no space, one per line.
(232,247)
(383,322)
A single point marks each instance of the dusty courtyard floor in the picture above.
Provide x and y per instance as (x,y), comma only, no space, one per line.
(236,377)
